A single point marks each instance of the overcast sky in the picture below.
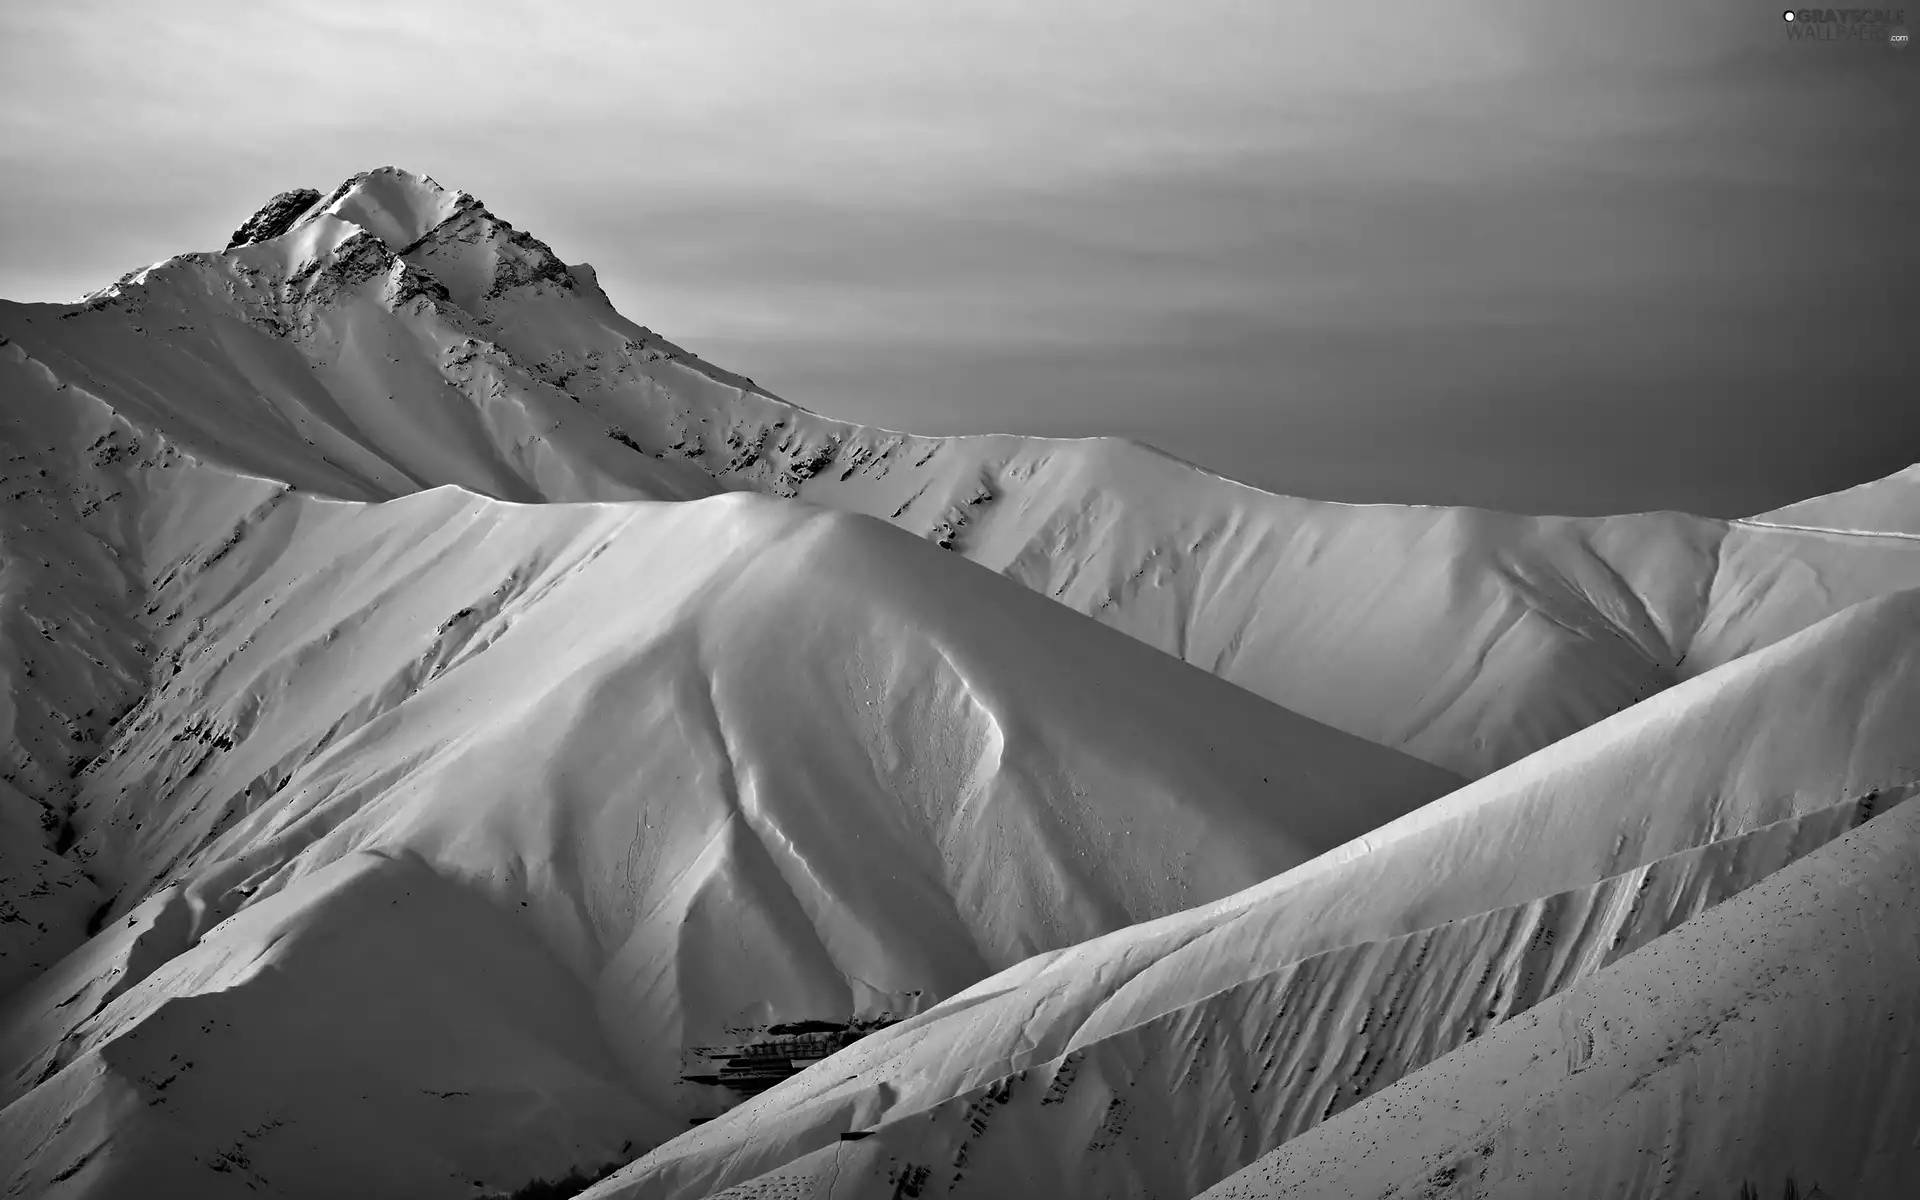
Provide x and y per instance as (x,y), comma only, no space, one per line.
(1529,254)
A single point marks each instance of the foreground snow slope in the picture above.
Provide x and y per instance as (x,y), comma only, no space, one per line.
(396,335)
(1771,1042)
(1156,1061)
(374,1029)
(602,784)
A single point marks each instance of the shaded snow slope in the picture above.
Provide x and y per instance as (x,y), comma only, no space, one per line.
(91,508)
(373,1029)
(1158,1060)
(396,335)
(1770,1042)
(698,768)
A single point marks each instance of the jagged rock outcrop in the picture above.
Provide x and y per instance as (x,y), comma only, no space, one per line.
(275,217)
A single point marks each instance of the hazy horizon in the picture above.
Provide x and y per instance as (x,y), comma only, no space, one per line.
(1541,258)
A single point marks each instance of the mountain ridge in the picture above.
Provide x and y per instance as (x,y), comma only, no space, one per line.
(539,390)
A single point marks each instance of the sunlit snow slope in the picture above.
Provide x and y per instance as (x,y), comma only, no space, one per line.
(451,829)
(1890,505)
(396,335)
(1771,1043)
(1156,1061)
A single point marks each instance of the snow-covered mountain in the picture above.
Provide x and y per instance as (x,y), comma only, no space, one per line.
(461,738)
(703,769)
(396,335)
(1157,1060)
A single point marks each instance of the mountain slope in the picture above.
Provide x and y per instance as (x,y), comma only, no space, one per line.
(374,1029)
(90,504)
(396,335)
(1890,505)
(707,769)
(1157,1060)
(1770,1042)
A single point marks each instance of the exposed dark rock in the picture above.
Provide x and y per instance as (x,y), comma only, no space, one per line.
(360,257)
(467,209)
(523,260)
(792,1028)
(406,281)
(347,186)
(572,1183)
(275,217)
(749,1068)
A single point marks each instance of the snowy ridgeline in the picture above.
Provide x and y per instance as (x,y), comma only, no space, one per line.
(422,682)
(396,335)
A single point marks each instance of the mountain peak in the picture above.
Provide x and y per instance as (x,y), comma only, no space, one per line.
(396,205)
